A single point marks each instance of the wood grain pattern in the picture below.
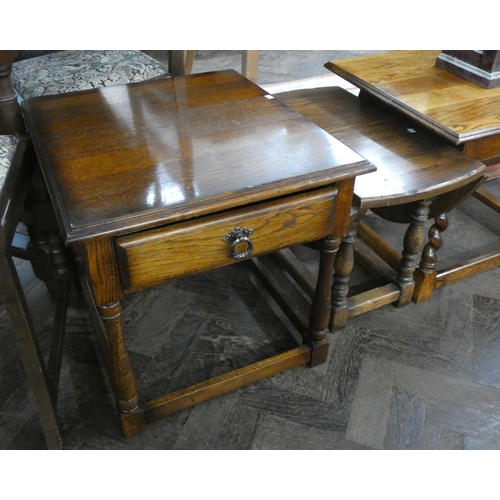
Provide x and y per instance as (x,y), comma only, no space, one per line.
(444,350)
(460,111)
(185,248)
(457,109)
(164,405)
(180,148)
(418,176)
(15,199)
(411,162)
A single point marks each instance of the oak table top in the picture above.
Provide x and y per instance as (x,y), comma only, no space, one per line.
(409,81)
(142,155)
(166,178)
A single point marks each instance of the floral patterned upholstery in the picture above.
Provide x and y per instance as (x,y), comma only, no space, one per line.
(8,145)
(73,70)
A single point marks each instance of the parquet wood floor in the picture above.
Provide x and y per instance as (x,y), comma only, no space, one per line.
(422,377)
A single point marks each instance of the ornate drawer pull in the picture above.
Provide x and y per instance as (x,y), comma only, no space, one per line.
(235,237)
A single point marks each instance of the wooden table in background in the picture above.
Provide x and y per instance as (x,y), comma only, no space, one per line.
(170,177)
(462,112)
(409,81)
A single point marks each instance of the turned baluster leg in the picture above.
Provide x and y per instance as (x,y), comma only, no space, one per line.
(62,274)
(50,262)
(425,274)
(319,319)
(122,374)
(413,240)
(344,263)
(46,250)
(321,307)
(104,279)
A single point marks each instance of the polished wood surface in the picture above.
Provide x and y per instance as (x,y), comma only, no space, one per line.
(410,82)
(180,400)
(411,162)
(422,377)
(147,179)
(186,137)
(419,175)
(460,111)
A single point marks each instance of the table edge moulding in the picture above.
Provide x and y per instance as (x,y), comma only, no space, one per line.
(407,90)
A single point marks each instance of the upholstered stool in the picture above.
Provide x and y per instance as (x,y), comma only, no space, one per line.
(418,176)
(74,70)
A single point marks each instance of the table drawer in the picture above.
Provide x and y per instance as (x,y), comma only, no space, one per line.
(153,257)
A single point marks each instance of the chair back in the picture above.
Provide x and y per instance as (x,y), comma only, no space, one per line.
(11,120)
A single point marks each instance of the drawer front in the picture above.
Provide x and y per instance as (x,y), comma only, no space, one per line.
(153,257)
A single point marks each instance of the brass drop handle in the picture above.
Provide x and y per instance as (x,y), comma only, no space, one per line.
(237,236)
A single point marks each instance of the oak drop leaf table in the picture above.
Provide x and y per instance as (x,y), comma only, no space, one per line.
(166,178)
(462,112)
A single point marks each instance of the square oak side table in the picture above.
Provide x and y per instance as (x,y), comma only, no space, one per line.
(167,178)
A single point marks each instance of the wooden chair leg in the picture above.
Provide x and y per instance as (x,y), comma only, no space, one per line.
(31,356)
(59,329)
(43,379)
(189,61)
(250,64)
(177,62)
(181,63)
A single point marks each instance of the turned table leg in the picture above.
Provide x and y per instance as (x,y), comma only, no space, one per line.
(413,240)
(321,314)
(122,374)
(319,318)
(425,274)
(344,264)
(102,269)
